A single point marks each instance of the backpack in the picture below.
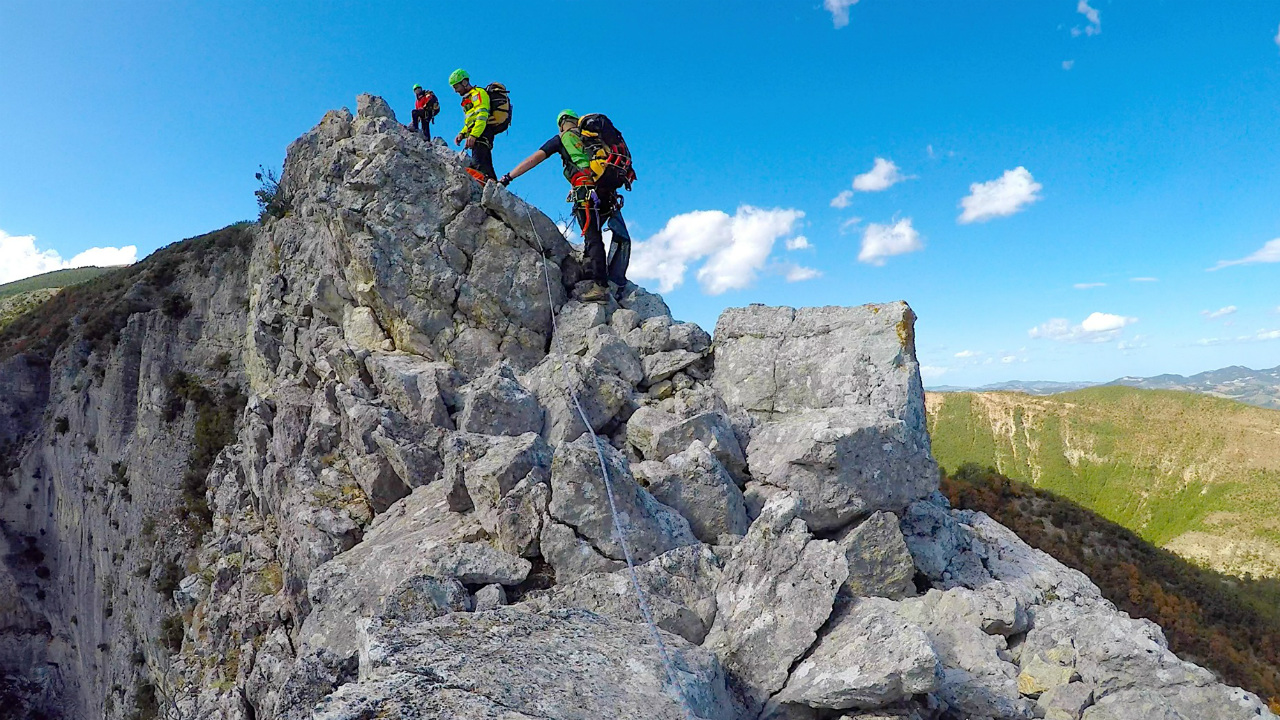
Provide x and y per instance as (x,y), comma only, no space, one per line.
(433,106)
(606,147)
(499,107)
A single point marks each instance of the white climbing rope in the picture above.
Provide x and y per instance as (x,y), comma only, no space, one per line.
(641,598)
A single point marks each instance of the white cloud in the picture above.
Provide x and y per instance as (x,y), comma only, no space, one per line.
(1098,327)
(1088,286)
(1144,279)
(1260,336)
(799,242)
(1091,14)
(19,257)
(1268,254)
(849,225)
(1003,196)
(839,10)
(735,247)
(932,372)
(1009,359)
(1068,64)
(968,353)
(882,241)
(842,200)
(883,175)
(799,273)
(1267,335)
(1221,312)
(1277,37)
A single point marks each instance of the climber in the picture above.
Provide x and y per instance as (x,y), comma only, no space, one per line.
(488,112)
(425,110)
(595,168)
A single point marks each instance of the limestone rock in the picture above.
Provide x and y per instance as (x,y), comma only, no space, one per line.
(490,597)
(418,388)
(868,659)
(579,499)
(605,347)
(774,361)
(842,463)
(506,463)
(697,486)
(496,404)
(570,555)
(778,588)
(562,665)
(1040,675)
(601,394)
(879,563)
(1065,702)
(657,435)
(521,515)
(679,584)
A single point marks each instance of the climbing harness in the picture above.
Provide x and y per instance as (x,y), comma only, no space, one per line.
(641,598)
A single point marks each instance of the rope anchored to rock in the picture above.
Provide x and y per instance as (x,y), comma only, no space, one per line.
(641,598)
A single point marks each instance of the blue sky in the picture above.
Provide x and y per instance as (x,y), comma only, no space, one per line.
(1047,183)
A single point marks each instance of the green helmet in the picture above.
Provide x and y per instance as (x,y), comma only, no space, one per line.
(458,76)
(566,113)
(416,88)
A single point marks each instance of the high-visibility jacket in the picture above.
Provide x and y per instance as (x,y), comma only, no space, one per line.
(476,106)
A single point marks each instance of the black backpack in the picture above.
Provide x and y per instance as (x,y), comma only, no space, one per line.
(433,105)
(499,107)
(606,147)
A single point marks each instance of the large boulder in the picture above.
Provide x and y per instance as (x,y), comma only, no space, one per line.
(680,586)
(843,463)
(879,563)
(600,393)
(657,434)
(497,404)
(509,664)
(778,589)
(580,501)
(868,658)
(696,485)
(775,361)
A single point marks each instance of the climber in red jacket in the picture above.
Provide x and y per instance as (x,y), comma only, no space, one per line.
(424,110)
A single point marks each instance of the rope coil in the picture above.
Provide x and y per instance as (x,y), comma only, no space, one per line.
(641,597)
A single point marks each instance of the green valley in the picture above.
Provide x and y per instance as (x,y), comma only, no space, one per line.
(1197,475)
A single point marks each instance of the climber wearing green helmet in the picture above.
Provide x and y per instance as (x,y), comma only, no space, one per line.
(425,109)
(478,129)
(594,194)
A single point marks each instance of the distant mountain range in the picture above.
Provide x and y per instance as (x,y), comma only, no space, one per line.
(1254,387)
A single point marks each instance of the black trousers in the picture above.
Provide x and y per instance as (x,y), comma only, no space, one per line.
(482,154)
(602,208)
(420,117)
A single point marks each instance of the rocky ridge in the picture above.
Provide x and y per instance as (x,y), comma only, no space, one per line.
(409,519)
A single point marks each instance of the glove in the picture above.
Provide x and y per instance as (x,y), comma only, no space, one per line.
(505,180)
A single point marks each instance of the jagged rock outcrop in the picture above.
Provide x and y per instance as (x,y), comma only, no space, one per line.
(332,468)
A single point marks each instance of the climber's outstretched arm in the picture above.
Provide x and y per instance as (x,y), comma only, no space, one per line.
(525,165)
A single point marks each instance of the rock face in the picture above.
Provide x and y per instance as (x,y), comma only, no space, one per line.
(331,467)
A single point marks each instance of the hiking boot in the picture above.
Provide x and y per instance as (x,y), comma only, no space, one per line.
(595,293)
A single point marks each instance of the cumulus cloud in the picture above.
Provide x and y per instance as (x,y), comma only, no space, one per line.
(1005,195)
(20,258)
(1068,64)
(883,241)
(799,242)
(1088,286)
(733,248)
(883,175)
(839,10)
(1091,14)
(1221,312)
(799,273)
(1098,327)
(842,200)
(1144,279)
(1268,254)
